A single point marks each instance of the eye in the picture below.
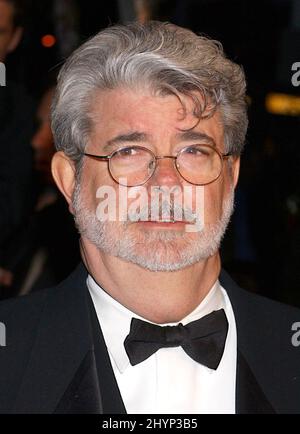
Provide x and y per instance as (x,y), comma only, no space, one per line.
(197,151)
(192,150)
(125,152)
(128,152)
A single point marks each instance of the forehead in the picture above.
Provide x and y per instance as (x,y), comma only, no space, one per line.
(125,110)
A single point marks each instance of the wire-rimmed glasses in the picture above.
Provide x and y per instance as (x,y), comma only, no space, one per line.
(198,164)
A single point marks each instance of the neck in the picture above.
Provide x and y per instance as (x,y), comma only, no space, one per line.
(160,297)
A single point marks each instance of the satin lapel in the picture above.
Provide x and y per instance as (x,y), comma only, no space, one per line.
(111,397)
(60,352)
(83,394)
(250,398)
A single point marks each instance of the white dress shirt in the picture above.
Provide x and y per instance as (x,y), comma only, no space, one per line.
(169,381)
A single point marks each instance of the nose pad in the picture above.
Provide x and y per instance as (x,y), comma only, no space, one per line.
(151,166)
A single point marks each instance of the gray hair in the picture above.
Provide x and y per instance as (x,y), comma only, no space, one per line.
(164,57)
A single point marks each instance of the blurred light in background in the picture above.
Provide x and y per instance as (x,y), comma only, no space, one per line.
(283,104)
(48,41)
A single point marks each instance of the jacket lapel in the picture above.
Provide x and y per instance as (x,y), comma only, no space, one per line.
(250,398)
(111,397)
(95,374)
(83,394)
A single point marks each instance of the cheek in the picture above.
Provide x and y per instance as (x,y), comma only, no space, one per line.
(95,179)
(213,199)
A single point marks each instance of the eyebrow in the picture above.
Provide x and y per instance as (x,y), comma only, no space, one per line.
(195,135)
(132,137)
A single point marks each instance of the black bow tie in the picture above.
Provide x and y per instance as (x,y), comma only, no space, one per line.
(203,340)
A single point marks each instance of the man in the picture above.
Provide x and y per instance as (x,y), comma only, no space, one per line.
(149,323)
(16,128)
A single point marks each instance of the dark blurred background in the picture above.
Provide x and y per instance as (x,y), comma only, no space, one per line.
(261,249)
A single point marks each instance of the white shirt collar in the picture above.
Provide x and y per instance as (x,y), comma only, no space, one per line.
(115,318)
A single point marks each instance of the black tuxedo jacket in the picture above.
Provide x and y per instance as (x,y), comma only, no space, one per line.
(55,359)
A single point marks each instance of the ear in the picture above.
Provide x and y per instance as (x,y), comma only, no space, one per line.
(63,171)
(15,40)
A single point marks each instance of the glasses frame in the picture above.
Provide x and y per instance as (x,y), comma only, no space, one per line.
(159,157)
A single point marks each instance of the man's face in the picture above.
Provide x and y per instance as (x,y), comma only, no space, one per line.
(9,34)
(156,123)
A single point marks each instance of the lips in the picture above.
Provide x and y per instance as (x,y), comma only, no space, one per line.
(160,219)
(163,222)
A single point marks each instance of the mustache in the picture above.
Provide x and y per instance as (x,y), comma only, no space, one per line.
(163,211)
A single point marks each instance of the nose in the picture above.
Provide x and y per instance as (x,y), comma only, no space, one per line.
(166,173)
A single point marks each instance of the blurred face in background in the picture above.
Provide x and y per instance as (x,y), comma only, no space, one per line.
(42,140)
(10,35)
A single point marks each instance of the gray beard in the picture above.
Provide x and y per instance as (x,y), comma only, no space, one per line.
(153,250)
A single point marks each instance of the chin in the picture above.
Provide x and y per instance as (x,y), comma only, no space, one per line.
(166,256)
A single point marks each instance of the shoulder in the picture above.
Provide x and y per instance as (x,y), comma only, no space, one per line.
(267,337)
(23,307)
(30,326)
(262,323)
(253,307)
(23,313)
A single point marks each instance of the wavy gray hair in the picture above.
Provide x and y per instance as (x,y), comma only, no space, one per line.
(164,57)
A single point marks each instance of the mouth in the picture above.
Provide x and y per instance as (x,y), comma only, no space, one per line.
(164,223)
(170,220)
